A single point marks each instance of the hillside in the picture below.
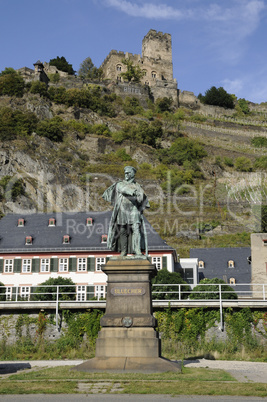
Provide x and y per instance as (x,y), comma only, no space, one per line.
(202,172)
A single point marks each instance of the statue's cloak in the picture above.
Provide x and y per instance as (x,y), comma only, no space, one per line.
(115,198)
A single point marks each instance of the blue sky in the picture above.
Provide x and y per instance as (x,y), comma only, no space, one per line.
(214,42)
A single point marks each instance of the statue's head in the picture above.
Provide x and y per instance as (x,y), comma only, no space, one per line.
(129,172)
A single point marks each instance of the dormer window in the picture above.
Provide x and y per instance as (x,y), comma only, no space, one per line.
(232,281)
(104,238)
(89,221)
(264,242)
(28,240)
(231,264)
(21,222)
(201,264)
(66,239)
(52,222)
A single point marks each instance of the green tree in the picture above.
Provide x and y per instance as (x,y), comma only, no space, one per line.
(61,64)
(164,277)
(209,289)
(217,97)
(67,290)
(51,129)
(11,83)
(88,70)
(133,73)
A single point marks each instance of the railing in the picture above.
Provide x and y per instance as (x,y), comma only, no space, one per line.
(163,295)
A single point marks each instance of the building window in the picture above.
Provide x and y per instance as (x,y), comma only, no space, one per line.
(8,293)
(144,72)
(8,268)
(232,281)
(28,240)
(118,79)
(104,238)
(25,292)
(81,264)
(45,265)
(99,262)
(20,222)
(264,242)
(26,265)
(81,293)
(158,262)
(63,265)
(100,291)
(52,222)
(118,67)
(89,221)
(231,264)
(154,74)
(66,239)
(201,264)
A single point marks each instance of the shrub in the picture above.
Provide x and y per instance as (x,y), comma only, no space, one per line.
(51,129)
(259,142)
(170,278)
(261,163)
(244,105)
(228,161)
(14,123)
(67,290)
(163,104)
(11,83)
(243,164)
(100,129)
(12,188)
(182,150)
(54,78)
(38,87)
(132,106)
(209,289)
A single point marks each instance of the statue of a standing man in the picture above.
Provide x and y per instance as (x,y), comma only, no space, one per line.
(126,231)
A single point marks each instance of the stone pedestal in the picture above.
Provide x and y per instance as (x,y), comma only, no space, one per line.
(128,340)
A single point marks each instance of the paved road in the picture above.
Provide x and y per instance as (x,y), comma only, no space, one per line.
(125,398)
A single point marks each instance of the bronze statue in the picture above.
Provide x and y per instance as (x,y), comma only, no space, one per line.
(127,229)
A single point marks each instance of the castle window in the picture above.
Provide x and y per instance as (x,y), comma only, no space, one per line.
(118,67)
(20,222)
(99,262)
(45,265)
(144,72)
(154,74)
(81,264)
(26,265)
(104,238)
(81,293)
(231,264)
(52,222)
(28,240)
(232,281)
(201,264)
(118,79)
(158,262)
(8,268)
(63,265)
(66,239)
(89,221)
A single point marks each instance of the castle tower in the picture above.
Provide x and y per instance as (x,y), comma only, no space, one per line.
(158,46)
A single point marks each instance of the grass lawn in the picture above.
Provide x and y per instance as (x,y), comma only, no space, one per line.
(192,381)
